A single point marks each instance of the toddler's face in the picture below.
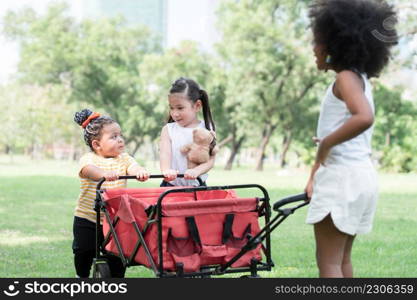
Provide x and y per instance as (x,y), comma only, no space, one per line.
(111,143)
(182,110)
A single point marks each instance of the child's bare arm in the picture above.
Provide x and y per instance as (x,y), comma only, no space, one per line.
(200,169)
(165,150)
(165,155)
(95,173)
(350,89)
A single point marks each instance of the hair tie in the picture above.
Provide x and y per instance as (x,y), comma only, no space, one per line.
(89,119)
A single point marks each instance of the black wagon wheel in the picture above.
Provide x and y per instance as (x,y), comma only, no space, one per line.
(101,269)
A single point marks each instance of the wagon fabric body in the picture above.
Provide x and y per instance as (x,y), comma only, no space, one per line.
(188,231)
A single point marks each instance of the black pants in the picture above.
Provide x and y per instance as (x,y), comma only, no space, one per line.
(84,249)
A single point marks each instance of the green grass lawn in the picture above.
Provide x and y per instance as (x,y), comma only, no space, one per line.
(37,201)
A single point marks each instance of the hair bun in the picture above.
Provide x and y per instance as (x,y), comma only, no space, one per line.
(182,81)
(81,116)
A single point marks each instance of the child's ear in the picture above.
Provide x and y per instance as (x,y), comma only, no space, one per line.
(95,144)
(198,104)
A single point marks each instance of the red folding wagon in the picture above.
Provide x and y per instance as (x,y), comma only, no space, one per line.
(188,231)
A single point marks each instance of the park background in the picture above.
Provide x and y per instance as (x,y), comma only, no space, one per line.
(255,60)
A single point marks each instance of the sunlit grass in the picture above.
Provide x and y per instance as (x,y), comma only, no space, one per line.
(37,202)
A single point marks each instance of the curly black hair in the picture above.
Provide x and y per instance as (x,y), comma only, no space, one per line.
(93,130)
(358,34)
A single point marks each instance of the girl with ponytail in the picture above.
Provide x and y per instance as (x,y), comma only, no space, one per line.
(186,100)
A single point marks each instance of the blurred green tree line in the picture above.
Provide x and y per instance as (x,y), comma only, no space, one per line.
(262,82)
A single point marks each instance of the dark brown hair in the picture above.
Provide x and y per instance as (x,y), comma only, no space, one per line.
(194,93)
(93,130)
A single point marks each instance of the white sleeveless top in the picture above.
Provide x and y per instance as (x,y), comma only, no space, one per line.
(181,136)
(333,114)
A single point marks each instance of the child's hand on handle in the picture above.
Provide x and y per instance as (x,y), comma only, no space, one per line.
(142,174)
(190,174)
(111,176)
(170,174)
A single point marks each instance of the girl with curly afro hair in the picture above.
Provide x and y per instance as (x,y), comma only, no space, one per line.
(353,38)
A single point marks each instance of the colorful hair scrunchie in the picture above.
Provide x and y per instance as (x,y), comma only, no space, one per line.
(89,119)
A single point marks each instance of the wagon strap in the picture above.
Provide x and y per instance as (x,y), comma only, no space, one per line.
(228,229)
(193,230)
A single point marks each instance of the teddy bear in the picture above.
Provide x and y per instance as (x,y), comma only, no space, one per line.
(202,147)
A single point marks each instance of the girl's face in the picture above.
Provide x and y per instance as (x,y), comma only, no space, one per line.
(182,110)
(111,143)
(320,53)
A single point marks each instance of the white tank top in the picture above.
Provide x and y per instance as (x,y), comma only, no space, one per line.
(333,114)
(181,136)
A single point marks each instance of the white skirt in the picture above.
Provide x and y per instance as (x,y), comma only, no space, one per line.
(348,193)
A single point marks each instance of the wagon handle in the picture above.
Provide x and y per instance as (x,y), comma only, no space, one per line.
(102,180)
(290,199)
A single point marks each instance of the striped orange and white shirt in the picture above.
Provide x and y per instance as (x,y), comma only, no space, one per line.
(120,164)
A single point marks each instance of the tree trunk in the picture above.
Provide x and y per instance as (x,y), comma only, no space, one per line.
(286,142)
(225,141)
(136,144)
(234,151)
(9,152)
(387,139)
(34,151)
(155,156)
(266,136)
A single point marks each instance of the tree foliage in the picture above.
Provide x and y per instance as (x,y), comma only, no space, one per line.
(272,76)
(395,121)
(97,60)
(262,82)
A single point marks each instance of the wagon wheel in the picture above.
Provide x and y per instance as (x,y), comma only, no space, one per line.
(101,269)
